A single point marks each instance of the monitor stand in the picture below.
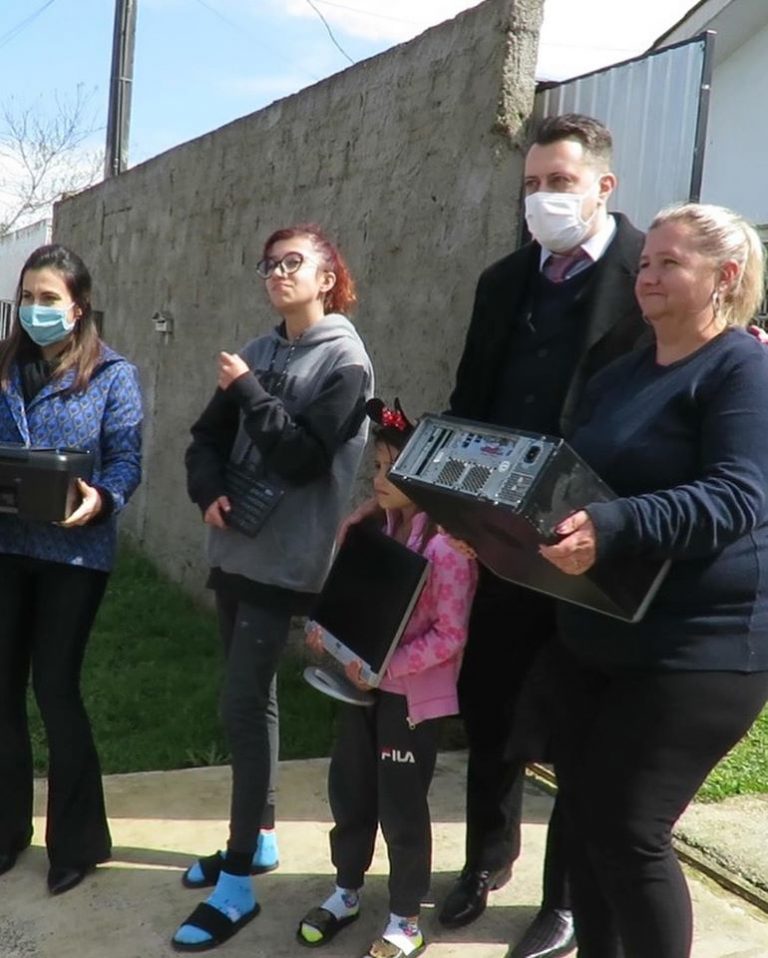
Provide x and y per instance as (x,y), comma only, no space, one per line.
(337,686)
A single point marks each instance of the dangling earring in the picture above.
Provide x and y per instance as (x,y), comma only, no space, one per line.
(716,303)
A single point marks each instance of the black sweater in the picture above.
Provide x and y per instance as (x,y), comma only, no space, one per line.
(686,447)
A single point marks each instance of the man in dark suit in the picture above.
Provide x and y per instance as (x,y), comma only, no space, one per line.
(545,319)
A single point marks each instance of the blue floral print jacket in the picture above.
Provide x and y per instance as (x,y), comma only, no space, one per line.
(105,419)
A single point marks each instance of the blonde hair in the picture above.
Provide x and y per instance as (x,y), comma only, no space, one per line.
(723,235)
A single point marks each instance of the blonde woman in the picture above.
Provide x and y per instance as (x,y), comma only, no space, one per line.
(679,431)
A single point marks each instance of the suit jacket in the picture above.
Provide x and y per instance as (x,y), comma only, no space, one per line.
(613,322)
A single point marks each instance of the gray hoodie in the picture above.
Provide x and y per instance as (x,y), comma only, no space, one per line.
(301,414)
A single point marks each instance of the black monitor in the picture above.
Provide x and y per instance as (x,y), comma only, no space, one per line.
(365,605)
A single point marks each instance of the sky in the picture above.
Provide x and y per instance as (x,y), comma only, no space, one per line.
(201,63)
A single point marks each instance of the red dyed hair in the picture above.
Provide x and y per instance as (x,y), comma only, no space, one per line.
(343,296)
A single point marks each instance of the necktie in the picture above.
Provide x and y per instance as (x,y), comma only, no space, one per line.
(558,268)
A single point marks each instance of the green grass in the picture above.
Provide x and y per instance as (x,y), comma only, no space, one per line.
(151,682)
(745,770)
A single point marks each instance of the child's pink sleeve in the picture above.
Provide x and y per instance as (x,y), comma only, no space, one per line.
(444,607)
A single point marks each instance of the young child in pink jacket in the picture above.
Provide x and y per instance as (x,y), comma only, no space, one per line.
(384,756)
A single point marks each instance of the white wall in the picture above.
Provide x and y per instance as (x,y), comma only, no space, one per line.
(14,249)
(737,134)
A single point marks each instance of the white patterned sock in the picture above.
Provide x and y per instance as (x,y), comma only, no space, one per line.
(404,933)
(343,902)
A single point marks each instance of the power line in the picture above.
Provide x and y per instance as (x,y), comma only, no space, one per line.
(370,13)
(15,31)
(238,27)
(335,42)
(585,46)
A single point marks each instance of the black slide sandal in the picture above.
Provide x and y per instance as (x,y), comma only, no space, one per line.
(326,923)
(214,923)
(211,865)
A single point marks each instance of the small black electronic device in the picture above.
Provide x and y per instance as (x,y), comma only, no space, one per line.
(365,604)
(504,492)
(41,482)
(252,498)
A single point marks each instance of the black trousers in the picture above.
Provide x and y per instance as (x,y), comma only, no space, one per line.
(46,614)
(632,748)
(380,773)
(509,630)
(254,639)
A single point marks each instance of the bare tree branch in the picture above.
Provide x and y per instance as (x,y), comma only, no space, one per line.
(44,154)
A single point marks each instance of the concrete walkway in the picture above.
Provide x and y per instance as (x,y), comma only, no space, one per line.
(731,839)
(160,820)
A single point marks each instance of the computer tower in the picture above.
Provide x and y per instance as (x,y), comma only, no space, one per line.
(504,491)
(40,483)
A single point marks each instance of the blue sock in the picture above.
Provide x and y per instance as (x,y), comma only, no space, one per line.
(233,896)
(266,854)
(266,857)
(195,872)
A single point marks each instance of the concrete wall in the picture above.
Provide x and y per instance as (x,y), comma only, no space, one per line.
(411,159)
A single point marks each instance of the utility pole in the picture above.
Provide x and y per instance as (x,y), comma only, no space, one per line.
(120,88)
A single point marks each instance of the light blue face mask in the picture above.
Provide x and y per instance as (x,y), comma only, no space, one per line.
(46,325)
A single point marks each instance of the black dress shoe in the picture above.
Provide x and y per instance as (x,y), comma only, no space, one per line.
(467,899)
(8,859)
(61,879)
(550,935)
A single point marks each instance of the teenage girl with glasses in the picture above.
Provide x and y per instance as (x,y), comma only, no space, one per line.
(291,406)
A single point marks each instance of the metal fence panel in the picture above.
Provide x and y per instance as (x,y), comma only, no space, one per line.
(6,316)
(655,106)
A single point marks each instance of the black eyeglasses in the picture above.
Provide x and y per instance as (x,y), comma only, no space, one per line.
(290,263)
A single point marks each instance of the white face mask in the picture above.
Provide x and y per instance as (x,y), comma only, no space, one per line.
(555,220)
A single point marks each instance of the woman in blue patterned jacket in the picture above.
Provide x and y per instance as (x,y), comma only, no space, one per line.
(59,386)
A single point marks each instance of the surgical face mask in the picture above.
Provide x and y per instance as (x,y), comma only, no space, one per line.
(555,219)
(46,325)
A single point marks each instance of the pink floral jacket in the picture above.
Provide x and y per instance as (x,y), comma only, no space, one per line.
(425,665)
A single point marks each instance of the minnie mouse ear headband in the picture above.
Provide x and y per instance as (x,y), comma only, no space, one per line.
(393,420)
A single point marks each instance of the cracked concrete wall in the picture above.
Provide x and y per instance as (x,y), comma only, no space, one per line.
(412,160)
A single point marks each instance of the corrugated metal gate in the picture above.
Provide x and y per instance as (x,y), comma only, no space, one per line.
(656,108)
(6,315)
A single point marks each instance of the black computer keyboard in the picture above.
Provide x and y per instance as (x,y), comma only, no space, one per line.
(251,497)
